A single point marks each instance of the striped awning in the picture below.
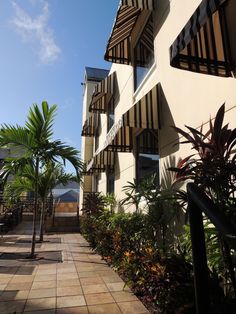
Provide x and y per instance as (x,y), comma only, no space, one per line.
(102,94)
(118,48)
(200,47)
(119,139)
(90,126)
(140,4)
(143,115)
(100,162)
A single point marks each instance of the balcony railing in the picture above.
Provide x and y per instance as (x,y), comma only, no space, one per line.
(200,203)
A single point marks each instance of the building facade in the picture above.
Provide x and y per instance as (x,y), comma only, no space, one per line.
(172,63)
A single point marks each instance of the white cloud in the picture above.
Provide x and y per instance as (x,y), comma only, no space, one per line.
(37,30)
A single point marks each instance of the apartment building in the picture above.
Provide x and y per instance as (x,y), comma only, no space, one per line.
(92,77)
(172,63)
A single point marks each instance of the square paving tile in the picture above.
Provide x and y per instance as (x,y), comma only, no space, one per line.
(44,284)
(40,304)
(22,278)
(104,273)
(67,276)
(65,291)
(19,286)
(85,274)
(42,293)
(70,301)
(2,286)
(66,270)
(133,307)
(112,279)
(8,270)
(49,271)
(48,277)
(104,309)
(66,287)
(74,310)
(2,276)
(122,296)
(47,266)
(91,281)
(68,283)
(88,289)
(5,280)
(84,267)
(12,306)
(14,295)
(117,286)
(26,270)
(99,298)
(41,312)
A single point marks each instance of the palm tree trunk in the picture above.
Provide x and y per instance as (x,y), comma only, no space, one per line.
(32,254)
(42,222)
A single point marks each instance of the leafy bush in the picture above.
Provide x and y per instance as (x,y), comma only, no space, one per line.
(125,241)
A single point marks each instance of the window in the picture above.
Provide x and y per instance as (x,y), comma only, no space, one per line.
(147,160)
(110,180)
(110,115)
(143,53)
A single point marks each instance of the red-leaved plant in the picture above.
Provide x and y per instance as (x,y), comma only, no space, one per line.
(213,166)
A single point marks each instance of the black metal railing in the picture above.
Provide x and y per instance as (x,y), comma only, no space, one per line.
(11,214)
(199,203)
(10,217)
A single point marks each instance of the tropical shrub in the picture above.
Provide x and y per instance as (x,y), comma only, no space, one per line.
(126,243)
(213,168)
(161,207)
(93,203)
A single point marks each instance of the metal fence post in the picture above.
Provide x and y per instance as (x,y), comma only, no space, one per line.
(201,274)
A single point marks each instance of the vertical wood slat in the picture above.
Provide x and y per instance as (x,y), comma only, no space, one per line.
(90,126)
(118,48)
(144,114)
(200,45)
(102,94)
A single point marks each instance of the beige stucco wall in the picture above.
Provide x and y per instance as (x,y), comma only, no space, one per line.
(87,143)
(189,98)
(185,98)
(66,207)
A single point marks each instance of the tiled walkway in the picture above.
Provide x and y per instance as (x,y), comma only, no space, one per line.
(80,283)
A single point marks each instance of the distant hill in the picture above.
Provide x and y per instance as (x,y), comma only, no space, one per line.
(68,197)
(61,189)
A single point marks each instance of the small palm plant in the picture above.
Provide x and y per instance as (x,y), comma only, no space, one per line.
(161,205)
(33,144)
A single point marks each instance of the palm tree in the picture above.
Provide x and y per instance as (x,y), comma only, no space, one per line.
(24,181)
(33,144)
(53,175)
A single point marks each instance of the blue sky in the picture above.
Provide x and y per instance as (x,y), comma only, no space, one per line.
(45,46)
